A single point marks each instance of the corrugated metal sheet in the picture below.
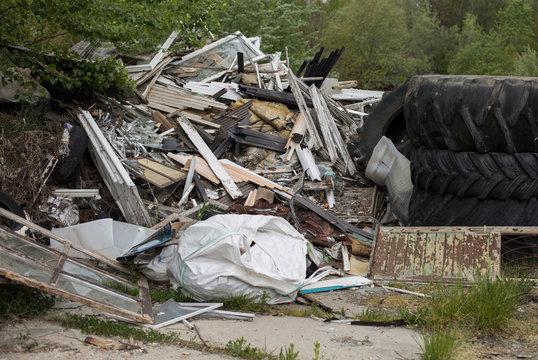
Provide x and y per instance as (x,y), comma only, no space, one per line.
(429,254)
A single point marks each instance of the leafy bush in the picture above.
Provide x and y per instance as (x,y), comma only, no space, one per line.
(67,72)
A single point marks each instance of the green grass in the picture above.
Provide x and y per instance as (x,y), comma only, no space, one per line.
(242,349)
(244,303)
(122,288)
(27,118)
(439,346)
(89,324)
(17,301)
(374,316)
(239,348)
(288,353)
(486,307)
(455,313)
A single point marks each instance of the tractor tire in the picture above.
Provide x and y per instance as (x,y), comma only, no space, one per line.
(470,174)
(430,209)
(386,119)
(473,113)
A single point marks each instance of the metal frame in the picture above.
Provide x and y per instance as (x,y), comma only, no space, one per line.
(237,35)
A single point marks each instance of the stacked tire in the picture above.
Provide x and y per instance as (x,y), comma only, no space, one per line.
(474,156)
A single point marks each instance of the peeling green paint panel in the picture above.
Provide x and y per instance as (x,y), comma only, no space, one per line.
(435,254)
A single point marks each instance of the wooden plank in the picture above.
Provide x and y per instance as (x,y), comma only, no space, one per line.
(161,120)
(345,258)
(212,161)
(170,173)
(202,168)
(251,176)
(153,177)
(149,75)
(200,187)
(144,296)
(251,198)
(190,176)
(151,83)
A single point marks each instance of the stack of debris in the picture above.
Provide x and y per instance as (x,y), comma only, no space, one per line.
(233,177)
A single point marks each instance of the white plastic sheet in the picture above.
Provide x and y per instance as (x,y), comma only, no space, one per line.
(388,167)
(105,237)
(250,255)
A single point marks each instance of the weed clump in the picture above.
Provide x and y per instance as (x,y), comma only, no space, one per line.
(486,306)
(439,346)
(241,349)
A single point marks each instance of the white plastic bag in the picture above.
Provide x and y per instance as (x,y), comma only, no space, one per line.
(252,255)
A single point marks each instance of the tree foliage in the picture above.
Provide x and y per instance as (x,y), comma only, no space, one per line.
(132,25)
(376,38)
(388,41)
(281,23)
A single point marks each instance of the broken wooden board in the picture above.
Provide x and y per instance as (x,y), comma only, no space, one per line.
(212,161)
(447,254)
(166,171)
(202,168)
(154,172)
(308,163)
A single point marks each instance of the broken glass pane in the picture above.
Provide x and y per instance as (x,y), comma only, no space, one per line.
(98,294)
(25,267)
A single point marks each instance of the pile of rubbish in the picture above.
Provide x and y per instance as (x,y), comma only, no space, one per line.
(229,174)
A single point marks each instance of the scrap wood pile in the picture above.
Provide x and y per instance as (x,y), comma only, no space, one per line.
(228,174)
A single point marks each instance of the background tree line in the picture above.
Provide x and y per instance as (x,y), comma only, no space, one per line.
(386,40)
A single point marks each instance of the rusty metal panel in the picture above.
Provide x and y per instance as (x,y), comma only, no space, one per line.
(435,254)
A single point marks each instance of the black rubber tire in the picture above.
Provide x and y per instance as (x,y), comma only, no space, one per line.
(78,142)
(429,209)
(470,174)
(473,113)
(385,119)
(6,202)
